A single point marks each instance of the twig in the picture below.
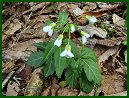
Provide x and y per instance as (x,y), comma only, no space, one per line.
(7,79)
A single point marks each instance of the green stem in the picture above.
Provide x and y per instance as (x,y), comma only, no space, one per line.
(64,30)
(69,37)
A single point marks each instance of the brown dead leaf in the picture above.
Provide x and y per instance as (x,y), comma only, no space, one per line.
(107,42)
(54,89)
(107,6)
(107,54)
(22,50)
(122,70)
(36,7)
(92,30)
(96,14)
(89,6)
(74,9)
(77,11)
(100,49)
(13,27)
(124,93)
(66,92)
(35,84)
(118,20)
(62,6)
(12,89)
(7,67)
(104,5)
(125,54)
(85,94)
(25,73)
(112,84)
(46,92)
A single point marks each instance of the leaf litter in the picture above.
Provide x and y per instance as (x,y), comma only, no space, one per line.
(22,27)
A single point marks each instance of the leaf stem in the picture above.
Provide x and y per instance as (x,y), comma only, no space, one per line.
(69,37)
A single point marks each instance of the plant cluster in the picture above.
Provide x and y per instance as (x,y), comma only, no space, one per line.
(61,55)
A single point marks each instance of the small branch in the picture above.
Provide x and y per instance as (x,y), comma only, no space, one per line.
(7,79)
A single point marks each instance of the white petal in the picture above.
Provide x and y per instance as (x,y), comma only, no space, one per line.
(72,29)
(94,19)
(58,42)
(87,35)
(50,32)
(64,53)
(70,54)
(46,28)
(84,39)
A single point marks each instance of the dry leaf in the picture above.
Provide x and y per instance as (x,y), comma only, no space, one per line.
(54,89)
(125,53)
(35,84)
(25,73)
(118,20)
(66,92)
(37,7)
(46,92)
(107,54)
(12,89)
(104,5)
(62,6)
(92,30)
(6,68)
(72,7)
(113,84)
(96,14)
(22,50)
(107,42)
(89,6)
(77,11)
(122,70)
(107,6)
(119,94)
(13,27)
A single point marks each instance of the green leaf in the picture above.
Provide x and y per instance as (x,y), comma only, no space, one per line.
(125,42)
(50,49)
(48,22)
(92,70)
(88,53)
(41,45)
(35,59)
(66,28)
(63,18)
(85,85)
(71,76)
(49,68)
(60,62)
(75,64)
(74,48)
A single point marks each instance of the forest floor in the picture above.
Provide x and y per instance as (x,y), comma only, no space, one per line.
(22,25)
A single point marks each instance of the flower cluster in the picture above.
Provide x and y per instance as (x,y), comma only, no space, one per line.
(67,52)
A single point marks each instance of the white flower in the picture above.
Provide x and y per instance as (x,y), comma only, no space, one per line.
(84,37)
(92,19)
(49,29)
(67,52)
(58,41)
(72,28)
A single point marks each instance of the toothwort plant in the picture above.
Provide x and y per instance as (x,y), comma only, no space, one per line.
(61,55)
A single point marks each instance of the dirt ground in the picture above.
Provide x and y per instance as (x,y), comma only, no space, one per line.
(22,25)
